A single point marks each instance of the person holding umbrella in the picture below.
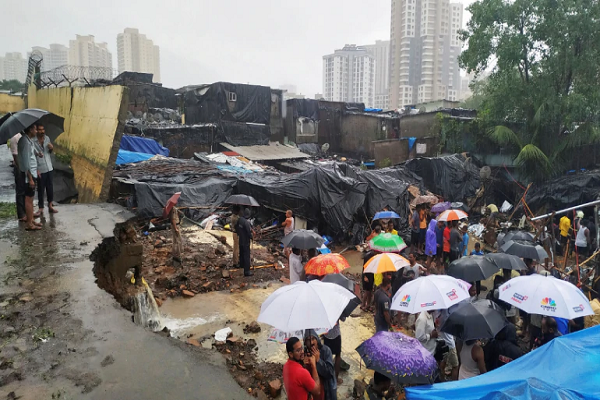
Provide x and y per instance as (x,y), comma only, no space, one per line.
(28,165)
(244,231)
(324,363)
(383,319)
(235,216)
(296,267)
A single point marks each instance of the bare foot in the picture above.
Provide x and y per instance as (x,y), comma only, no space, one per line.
(33,228)
(53,210)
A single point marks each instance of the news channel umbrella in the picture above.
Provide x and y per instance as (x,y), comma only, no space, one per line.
(432,292)
(18,121)
(546,295)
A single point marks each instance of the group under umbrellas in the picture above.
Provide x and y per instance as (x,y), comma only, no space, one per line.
(11,124)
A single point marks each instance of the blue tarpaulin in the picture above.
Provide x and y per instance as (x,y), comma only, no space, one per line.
(567,368)
(411,143)
(126,157)
(143,145)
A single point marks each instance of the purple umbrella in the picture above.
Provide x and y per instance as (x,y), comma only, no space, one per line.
(399,357)
(441,207)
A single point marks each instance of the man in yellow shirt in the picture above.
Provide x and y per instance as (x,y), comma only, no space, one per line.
(593,320)
(564,225)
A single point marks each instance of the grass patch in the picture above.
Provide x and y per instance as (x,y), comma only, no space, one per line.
(42,334)
(64,158)
(8,210)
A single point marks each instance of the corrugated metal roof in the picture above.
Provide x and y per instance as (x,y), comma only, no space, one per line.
(272,151)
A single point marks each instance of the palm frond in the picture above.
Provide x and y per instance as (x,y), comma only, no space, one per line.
(538,119)
(504,136)
(533,161)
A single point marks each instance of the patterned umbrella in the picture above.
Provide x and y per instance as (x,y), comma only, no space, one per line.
(452,215)
(399,357)
(386,262)
(325,264)
(387,243)
(441,207)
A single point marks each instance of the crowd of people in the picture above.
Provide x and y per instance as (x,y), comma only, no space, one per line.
(33,169)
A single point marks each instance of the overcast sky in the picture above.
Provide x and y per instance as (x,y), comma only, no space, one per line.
(267,42)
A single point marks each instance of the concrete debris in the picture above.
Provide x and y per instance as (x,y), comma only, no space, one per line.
(187,293)
(253,327)
(275,388)
(193,342)
(222,334)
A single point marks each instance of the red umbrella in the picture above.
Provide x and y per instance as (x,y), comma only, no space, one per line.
(170,204)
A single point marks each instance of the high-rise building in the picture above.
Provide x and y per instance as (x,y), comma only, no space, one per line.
(13,66)
(424,51)
(85,52)
(381,51)
(349,75)
(137,53)
(55,56)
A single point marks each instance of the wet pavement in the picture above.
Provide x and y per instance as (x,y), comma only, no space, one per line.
(63,337)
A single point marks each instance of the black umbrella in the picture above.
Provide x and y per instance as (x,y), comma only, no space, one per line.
(242,200)
(481,319)
(17,122)
(303,239)
(507,261)
(518,235)
(524,249)
(472,268)
(346,283)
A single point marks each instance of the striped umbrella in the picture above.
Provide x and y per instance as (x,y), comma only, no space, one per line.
(387,243)
(386,262)
(325,264)
(452,215)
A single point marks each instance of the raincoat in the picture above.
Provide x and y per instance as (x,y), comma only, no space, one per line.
(431,239)
(326,368)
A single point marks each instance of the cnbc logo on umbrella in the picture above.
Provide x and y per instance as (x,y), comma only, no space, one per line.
(548,304)
(405,300)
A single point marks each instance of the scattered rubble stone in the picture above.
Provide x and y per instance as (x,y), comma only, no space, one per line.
(187,293)
(275,388)
(108,360)
(193,342)
(253,327)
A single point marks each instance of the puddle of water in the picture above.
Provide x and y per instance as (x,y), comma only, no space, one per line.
(204,314)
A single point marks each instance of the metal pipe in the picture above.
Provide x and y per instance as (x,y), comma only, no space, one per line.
(592,203)
(596,222)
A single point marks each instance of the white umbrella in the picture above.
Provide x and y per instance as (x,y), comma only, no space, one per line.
(546,295)
(313,305)
(432,292)
(282,337)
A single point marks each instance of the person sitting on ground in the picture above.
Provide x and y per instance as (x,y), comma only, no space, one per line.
(325,366)
(549,332)
(299,382)
(288,224)
(418,269)
(472,360)
(296,267)
(377,389)
(425,331)
(376,231)
(383,321)
(477,250)
(368,280)
(503,349)
(390,228)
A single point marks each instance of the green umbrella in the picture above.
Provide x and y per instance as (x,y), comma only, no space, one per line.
(387,243)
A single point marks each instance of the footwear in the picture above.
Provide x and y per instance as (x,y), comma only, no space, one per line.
(37,214)
(344,366)
(249,273)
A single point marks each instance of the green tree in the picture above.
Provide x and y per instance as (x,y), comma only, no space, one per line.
(542,98)
(13,85)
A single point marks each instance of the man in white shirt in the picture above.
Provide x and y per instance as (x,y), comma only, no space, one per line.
(296,267)
(19,178)
(418,269)
(425,331)
(28,165)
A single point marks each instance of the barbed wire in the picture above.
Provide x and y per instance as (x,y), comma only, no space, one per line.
(69,75)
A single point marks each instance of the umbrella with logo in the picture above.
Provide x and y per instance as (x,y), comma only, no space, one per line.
(385,215)
(386,262)
(348,284)
(18,121)
(401,358)
(303,239)
(282,337)
(432,292)
(387,243)
(301,305)
(472,268)
(524,249)
(546,295)
(507,261)
(481,319)
(452,215)
(242,200)
(326,264)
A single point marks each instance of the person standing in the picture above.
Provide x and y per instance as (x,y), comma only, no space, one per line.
(296,267)
(451,357)
(288,224)
(376,232)
(418,269)
(244,231)
(45,169)
(333,340)
(477,250)
(235,216)
(472,360)
(28,165)
(465,240)
(19,178)
(456,241)
(415,224)
(383,321)
(565,226)
(390,228)
(425,331)
(431,242)
(368,279)
(447,246)
(439,235)
(177,249)
(325,366)
(582,241)
(503,349)
(300,382)
(422,229)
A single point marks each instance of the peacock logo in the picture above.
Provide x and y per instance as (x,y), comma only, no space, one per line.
(405,300)
(548,304)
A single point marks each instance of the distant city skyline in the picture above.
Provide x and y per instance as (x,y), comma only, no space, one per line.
(137,53)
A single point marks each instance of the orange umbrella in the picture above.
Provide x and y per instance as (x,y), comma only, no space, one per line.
(325,264)
(385,262)
(452,215)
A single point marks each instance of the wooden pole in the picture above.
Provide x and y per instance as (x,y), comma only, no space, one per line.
(517,205)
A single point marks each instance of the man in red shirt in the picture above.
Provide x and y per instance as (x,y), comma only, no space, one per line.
(446,246)
(298,381)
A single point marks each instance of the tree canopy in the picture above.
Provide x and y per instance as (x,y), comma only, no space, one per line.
(13,85)
(542,97)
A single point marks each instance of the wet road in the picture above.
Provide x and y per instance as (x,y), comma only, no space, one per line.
(94,351)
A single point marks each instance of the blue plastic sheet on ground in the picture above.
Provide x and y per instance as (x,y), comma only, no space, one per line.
(126,157)
(565,369)
(411,143)
(143,145)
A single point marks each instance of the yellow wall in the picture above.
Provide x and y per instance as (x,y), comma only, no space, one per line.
(10,103)
(92,132)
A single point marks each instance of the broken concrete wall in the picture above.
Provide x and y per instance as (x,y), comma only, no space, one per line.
(359,131)
(398,150)
(94,123)
(10,103)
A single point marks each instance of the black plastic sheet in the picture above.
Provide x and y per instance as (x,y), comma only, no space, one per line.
(564,192)
(305,108)
(242,134)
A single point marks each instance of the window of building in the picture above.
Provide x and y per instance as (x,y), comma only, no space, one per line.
(232,96)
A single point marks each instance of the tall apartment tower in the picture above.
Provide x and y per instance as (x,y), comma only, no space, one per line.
(349,75)
(381,51)
(55,56)
(424,51)
(137,53)
(13,66)
(85,52)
